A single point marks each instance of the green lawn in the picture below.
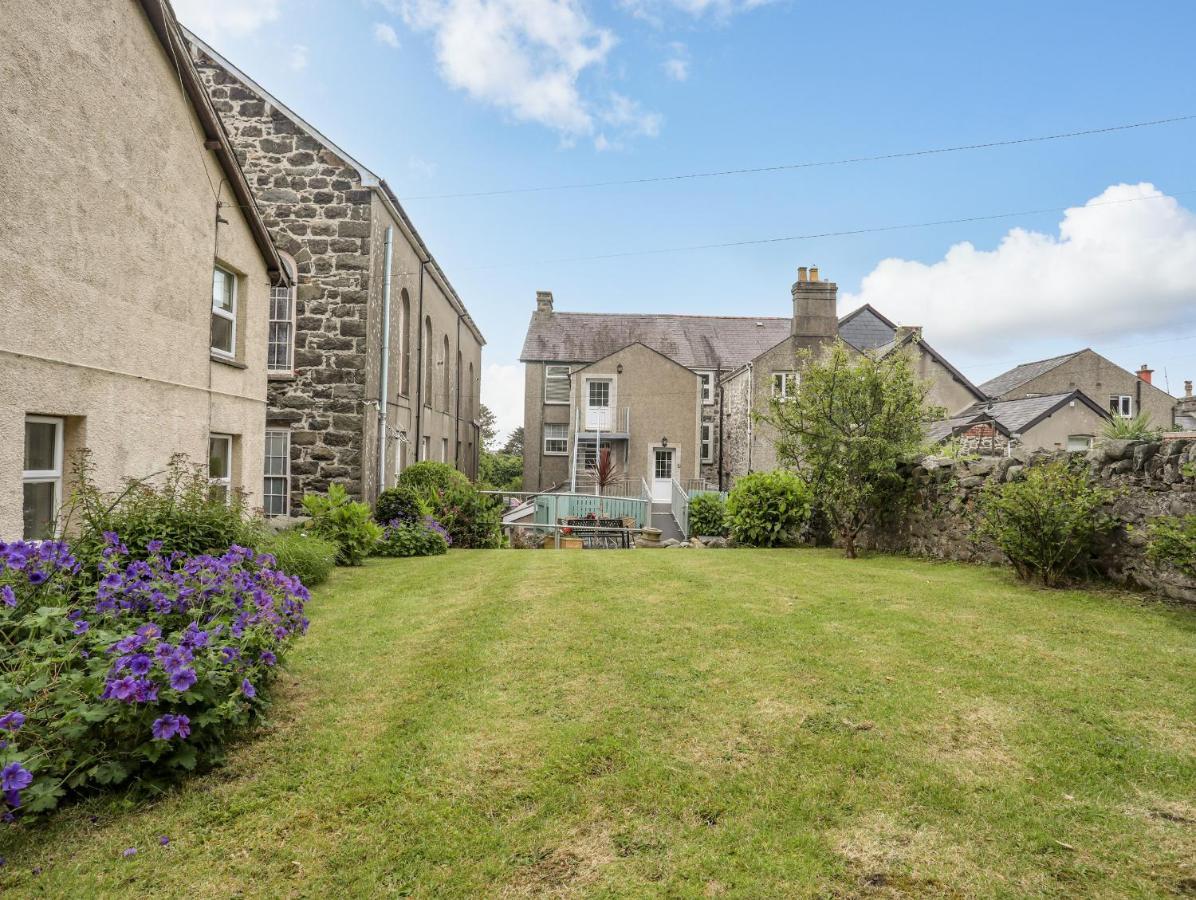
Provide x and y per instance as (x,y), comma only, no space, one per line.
(683,723)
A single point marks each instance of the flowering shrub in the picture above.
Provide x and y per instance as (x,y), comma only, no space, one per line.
(345,522)
(144,673)
(408,537)
(473,519)
(400,502)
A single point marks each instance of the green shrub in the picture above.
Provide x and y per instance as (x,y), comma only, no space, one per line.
(344,522)
(428,476)
(1048,522)
(403,502)
(500,471)
(707,515)
(1139,428)
(1171,540)
(182,511)
(473,520)
(302,555)
(425,537)
(767,508)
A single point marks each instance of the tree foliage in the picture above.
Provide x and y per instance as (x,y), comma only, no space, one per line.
(853,420)
(514,444)
(489,427)
(766,509)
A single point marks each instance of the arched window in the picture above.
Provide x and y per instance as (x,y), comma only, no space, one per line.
(426,351)
(446,384)
(405,344)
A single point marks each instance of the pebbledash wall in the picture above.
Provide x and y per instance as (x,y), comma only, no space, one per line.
(1151,479)
(331,215)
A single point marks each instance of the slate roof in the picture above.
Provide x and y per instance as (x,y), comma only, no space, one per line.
(939,431)
(1019,375)
(866,329)
(696,342)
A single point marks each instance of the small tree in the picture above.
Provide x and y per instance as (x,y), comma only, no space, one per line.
(514,444)
(489,427)
(845,430)
(1048,522)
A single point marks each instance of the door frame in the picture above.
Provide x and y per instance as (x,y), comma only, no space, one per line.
(585,400)
(676,453)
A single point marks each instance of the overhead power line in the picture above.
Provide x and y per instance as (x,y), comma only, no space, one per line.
(987,145)
(848,232)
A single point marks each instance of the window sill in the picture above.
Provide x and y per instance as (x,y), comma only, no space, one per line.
(227,361)
(281,376)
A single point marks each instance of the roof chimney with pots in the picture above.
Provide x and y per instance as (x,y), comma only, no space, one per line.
(1145,373)
(543,301)
(814,306)
(1187,389)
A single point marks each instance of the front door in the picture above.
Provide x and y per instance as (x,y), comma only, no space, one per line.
(662,474)
(598,405)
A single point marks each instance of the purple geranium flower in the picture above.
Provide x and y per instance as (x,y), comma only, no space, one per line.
(268,658)
(154,546)
(129,852)
(164,840)
(82,626)
(170,725)
(140,664)
(7,596)
(182,679)
(12,721)
(247,689)
(15,777)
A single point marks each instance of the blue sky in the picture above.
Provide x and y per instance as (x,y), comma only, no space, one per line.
(452,96)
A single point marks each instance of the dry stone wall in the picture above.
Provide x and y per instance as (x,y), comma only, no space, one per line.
(1151,479)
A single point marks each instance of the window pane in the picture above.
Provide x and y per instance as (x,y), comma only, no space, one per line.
(40,441)
(218,458)
(39,510)
(275,497)
(222,290)
(599,393)
(222,333)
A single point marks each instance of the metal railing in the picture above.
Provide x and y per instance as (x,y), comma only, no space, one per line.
(679,507)
(558,536)
(550,507)
(602,419)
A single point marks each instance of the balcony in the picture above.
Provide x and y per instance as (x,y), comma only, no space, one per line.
(608,421)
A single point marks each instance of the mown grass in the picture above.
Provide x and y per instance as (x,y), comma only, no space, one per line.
(701,723)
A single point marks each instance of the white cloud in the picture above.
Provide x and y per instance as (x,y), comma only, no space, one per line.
(653,10)
(1114,269)
(677,69)
(216,18)
(502,391)
(385,34)
(526,57)
(298,59)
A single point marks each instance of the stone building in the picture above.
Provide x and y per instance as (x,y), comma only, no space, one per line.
(678,407)
(375,361)
(137,272)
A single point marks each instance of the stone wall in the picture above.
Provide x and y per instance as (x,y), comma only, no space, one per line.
(1151,479)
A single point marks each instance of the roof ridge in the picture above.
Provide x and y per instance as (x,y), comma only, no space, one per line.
(674,316)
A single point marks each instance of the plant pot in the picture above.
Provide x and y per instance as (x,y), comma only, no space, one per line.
(567,542)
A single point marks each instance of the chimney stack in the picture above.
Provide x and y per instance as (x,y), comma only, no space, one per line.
(1187,390)
(1145,373)
(814,306)
(543,301)
(905,330)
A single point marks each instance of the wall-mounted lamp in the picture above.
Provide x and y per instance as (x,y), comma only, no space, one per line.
(619,369)
(664,442)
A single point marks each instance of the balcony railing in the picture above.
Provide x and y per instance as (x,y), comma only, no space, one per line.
(550,509)
(603,419)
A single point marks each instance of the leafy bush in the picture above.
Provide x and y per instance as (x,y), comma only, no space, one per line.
(401,502)
(767,508)
(346,523)
(427,477)
(1048,522)
(500,471)
(1139,428)
(473,520)
(184,514)
(403,537)
(302,555)
(146,673)
(1171,540)
(707,515)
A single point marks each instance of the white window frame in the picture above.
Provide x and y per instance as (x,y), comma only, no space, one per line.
(1122,405)
(706,387)
(563,438)
(706,441)
(228,316)
(550,376)
(425,448)
(1087,438)
(444,450)
(276,295)
(790,385)
(226,481)
(46,476)
(285,478)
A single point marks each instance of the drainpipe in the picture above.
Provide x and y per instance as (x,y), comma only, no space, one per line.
(419,374)
(721,425)
(383,391)
(457,418)
(751,406)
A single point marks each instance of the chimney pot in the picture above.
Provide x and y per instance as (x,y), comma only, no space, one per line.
(1144,373)
(543,301)
(801,273)
(813,273)
(1187,389)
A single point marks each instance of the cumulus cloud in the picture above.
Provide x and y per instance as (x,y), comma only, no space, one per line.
(676,66)
(526,57)
(217,18)
(298,57)
(1114,268)
(502,391)
(654,10)
(385,34)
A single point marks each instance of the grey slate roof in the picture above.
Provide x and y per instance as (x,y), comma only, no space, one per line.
(866,329)
(945,428)
(1019,375)
(696,342)
(1010,416)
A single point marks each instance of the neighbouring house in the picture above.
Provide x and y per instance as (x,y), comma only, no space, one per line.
(138,273)
(375,362)
(1067,421)
(1123,393)
(672,395)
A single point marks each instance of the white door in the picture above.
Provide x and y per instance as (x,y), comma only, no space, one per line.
(598,408)
(662,474)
